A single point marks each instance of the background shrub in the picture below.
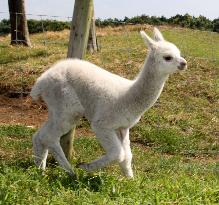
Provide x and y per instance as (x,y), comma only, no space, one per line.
(188,21)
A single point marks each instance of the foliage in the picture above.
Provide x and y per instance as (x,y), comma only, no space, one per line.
(4,27)
(188,21)
(216,25)
(37,26)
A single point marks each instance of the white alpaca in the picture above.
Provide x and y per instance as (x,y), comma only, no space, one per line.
(74,88)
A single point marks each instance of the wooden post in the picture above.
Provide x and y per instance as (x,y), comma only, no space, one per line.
(76,49)
(80,28)
(67,143)
(92,45)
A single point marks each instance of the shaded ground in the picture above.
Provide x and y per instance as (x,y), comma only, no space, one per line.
(23,111)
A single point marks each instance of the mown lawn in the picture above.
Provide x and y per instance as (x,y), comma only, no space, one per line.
(175,145)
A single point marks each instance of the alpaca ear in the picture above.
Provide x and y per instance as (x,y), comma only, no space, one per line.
(158,35)
(148,40)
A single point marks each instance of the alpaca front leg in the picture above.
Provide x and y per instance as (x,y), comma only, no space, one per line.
(96,164)
(111,144)
(59,156)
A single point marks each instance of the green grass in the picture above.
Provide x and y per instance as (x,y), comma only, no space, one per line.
(175,144)
(159,179)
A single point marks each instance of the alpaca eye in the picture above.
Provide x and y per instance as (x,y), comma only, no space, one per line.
(168,58)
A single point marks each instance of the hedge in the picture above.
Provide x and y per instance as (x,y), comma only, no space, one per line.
(188,21)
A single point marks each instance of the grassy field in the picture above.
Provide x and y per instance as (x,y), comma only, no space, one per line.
(175,145)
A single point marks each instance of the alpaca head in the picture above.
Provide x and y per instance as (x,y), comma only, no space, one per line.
(166,55)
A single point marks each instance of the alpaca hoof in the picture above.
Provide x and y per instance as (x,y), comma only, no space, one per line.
(82,165)
(129,175)
(72,174)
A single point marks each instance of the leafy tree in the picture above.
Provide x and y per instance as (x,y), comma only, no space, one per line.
(4,27)
(215,24)
(188,21)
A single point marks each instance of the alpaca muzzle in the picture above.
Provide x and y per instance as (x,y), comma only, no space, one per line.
(182,65)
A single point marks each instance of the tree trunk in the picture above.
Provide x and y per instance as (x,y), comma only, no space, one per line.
(77,46)
(19,28)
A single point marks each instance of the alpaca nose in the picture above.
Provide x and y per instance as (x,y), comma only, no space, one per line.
(182,65)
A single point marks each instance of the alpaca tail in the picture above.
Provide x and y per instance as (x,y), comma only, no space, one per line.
(37,89)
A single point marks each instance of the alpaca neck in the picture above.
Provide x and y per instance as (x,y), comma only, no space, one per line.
(146,88)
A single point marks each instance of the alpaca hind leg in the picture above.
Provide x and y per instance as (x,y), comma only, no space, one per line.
(48,137)
(40,151)
(57,129)
(111,144)
(126,164)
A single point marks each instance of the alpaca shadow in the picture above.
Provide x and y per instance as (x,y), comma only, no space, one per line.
(25,164)
(55,174)
(82,180)
(19,163)
(90,181)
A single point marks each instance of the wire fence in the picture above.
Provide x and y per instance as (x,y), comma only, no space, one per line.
(5,15)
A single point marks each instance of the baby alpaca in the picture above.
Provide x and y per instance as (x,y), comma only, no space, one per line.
(74,88)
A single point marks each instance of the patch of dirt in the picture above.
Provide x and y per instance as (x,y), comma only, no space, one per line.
(21,111)
(24,111)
